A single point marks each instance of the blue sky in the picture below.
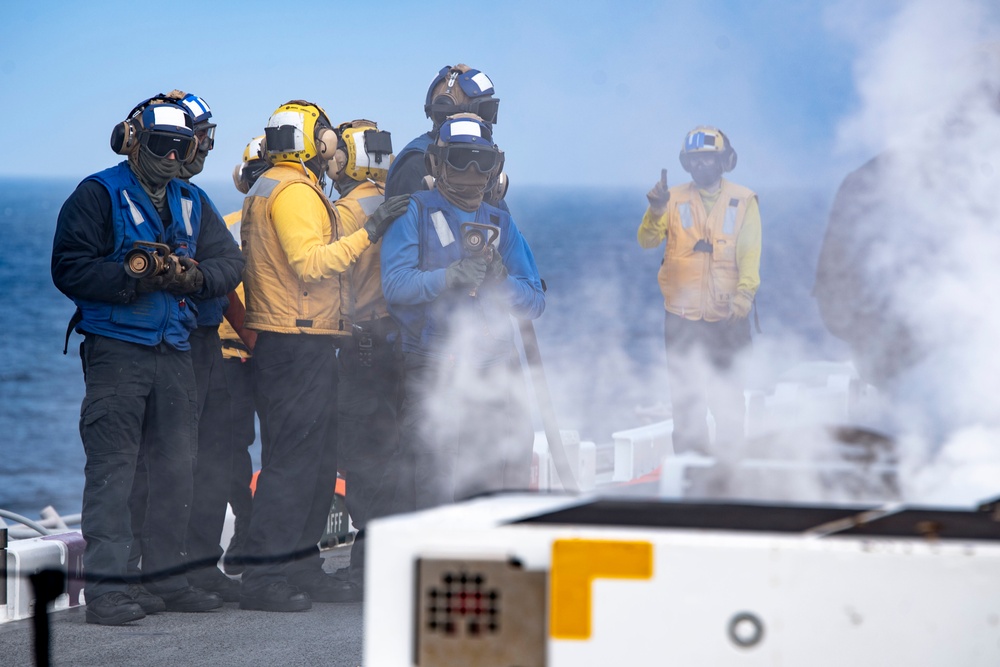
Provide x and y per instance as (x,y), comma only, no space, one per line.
(592,92)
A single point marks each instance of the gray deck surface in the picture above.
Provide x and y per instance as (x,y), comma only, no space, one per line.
(327,634)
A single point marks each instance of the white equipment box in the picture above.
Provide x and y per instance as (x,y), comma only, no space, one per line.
(544,581)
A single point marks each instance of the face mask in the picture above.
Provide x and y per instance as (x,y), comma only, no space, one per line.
(464,189)
(154,173)
(706,174)
(194,167)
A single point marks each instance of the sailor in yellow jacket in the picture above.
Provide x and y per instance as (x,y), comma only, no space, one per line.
(296,255)
(370,360)
(709,277)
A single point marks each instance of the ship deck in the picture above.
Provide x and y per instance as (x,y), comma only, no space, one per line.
(327,634)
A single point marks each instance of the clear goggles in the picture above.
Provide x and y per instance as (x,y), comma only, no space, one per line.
(161,144)
(206,137)
(462,156)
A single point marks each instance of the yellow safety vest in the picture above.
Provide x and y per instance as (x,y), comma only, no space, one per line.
(697,284)
(277,298)
(361,296)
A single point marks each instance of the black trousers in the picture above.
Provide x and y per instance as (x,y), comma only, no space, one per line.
(368,403)
(703,373)
(136,394)
(214,460)
(295,383)
(369,400)
(242,433)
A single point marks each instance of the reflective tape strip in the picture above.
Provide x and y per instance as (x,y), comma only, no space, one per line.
(686,220)
(482,81)
(729,224)
(187,206)
(170,115)
(369,204)
(575,565)
(137,218)
(443,230)
(263,187)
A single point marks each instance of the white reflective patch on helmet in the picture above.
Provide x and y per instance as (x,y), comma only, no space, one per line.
(482,81)
(468,128)
(297,120)
(168,115)
(361,158)
(196,106)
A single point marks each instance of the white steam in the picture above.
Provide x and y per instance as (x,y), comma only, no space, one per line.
(930,102)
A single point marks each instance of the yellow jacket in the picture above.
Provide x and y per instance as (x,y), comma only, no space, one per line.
(295,254)
(361,286)
(232,346)
(700,285)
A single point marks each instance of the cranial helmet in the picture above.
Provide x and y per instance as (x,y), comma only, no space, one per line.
(363,152)
(161,126)
(461,89)
(708,140)
(464,142)
(299,131)
(246,173)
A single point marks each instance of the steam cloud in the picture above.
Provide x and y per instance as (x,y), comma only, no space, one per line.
(930,104)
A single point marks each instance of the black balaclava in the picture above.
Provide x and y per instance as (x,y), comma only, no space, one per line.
(464,189)
(194,167)
(344,184)
(707,175)
(154,173)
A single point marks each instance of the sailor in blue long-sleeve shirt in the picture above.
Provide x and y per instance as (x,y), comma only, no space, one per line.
(465,428)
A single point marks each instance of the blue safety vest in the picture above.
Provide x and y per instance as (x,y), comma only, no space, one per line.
(210,311)
(153,317)
(427,327)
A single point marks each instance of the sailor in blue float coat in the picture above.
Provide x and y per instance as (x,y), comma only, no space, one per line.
(414,268)
(454,308)
(140,384)
(455,89)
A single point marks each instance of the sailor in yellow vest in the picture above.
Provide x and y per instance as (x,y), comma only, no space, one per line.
(370,360)
(237,364)
(709,276)
(296,255)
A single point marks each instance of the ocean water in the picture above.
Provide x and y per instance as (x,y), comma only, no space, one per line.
(600,337)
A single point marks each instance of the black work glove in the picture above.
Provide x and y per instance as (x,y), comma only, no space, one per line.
(161,280)
(467,273)
(389,210)
(189,280)
(495,270)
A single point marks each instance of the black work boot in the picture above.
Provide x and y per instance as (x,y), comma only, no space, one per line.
(191,599)
(150,603)
(114,608)
(214,581)
(277,596)
(323,587)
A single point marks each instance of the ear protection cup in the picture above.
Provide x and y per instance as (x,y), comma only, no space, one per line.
(124,138)
(429,163)
(326,143)
(337,163)
(729,159)
(238,180)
